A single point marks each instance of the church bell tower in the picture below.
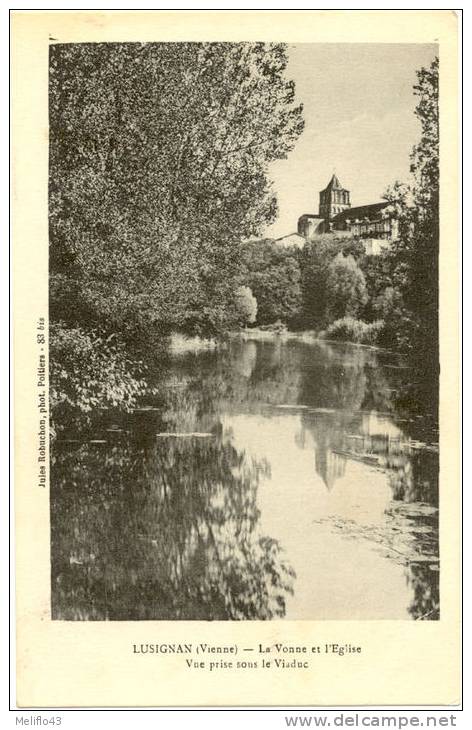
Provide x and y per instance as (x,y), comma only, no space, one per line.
(333,199)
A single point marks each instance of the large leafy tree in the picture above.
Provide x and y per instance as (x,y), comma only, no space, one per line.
(315,259)
(158,167)
(346,288)
(422,293)
(273,273)
(412,267)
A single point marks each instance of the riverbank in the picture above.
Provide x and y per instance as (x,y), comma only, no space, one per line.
(179,343)
(310,336)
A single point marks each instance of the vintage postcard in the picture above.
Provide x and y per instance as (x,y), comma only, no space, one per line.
(236,358)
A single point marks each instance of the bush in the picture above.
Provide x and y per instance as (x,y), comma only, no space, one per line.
(346,291)
(273,274)
(349,329)
(388,304)
(314,261)
(246,305)
(277,327)
(88,372)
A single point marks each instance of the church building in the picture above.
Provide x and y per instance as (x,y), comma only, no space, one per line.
(373,222)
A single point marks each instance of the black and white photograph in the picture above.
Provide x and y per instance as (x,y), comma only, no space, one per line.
(243,331)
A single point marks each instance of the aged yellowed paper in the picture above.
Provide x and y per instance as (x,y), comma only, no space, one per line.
(274,523)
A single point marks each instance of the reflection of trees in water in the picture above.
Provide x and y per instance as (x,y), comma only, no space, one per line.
(414,476)
(424,582)
(165,530)
(332,381)
(417,398)
(168,527)
(248,374)
(274,377)
(242,377)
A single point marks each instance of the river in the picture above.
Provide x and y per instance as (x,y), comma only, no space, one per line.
(268,478)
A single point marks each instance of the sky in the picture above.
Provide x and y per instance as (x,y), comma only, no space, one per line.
(359,122)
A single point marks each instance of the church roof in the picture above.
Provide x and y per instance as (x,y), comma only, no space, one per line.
(334,184)
(291,239)
(314,216)
(363,211)
(289,235)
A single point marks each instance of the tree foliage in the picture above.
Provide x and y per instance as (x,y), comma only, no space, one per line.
(349,329)
(315,259)
(246,305)
(414,258)
(90,373)
(273,273)
(158,167)
(422,291)
(346,288)
(163,529)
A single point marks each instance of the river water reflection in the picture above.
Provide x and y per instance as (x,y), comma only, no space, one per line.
(278,478)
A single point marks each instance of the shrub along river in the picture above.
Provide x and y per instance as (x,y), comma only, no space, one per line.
(269,478)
